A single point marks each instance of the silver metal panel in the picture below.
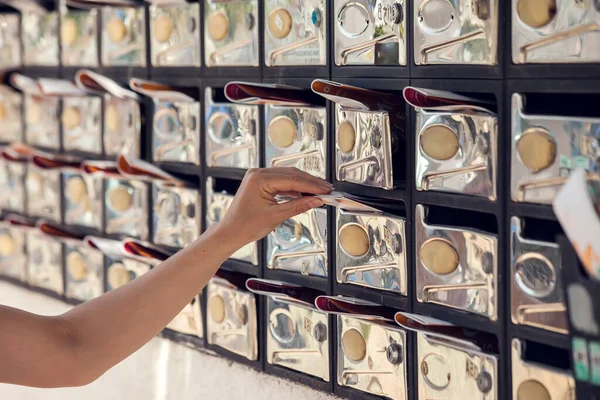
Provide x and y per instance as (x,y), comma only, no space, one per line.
(456,32)
(304,40)
(231,134)
(43,193)
(555,384)
(10,52)
(42,125)
(44,261)
(471,284)
(81,122)
(217,205)
(176,132)
(448,371)
(308,151)
(13,257)
(381,369)
(39,36)
(79,38)
(473,169)
(130,216)
(370,32)
(124,36)
(174,37)
(189,320)
(84,208)
(369,162)
(176,215)
(122,125)
(134,268)
(536,282)
(556,31)
(11,114)
(231,33)
(298,338)
(576,144)
(383,266)
(84,272)
(12,177)
(300,244)
(231,321)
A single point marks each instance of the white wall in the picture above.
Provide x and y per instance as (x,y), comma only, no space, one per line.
(161,370)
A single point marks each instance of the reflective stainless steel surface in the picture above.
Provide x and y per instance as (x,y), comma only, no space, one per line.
(176,215)
(231,33)
(44,261)
(189,320)
(81,122)
(83,199)
(308,151)
(469,281)
(553,383)
(12,177)
(382,264)
(536,282)
(446,370)
(572,142)
(296,32)
(174,37)
(370,32)
(555,31)
(298,337)
(217,205)
(11,103)
(134,269)
(176,132)
(231,134)
(231,321)
(369,162)
(39,36)
(10,52)
(300,244)
(472,169)
(377,363)
(126,207)
(42,125)
(456,32)
(84,272)
(122,125)
(79,38)
(123,36)
(13,257)
(43,193)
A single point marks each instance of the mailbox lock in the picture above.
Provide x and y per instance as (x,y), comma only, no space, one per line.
(397,13)
(484,382)
(320,332)
(394,353)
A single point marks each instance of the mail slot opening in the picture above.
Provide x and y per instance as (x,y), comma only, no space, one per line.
(540,229)
(222,185)
(544,354)
(561,104)
(438,215)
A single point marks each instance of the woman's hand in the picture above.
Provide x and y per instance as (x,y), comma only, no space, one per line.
(255,212)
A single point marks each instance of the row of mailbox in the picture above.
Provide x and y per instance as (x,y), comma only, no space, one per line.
(456,136)
(365,32)
(456,266)
(372,350)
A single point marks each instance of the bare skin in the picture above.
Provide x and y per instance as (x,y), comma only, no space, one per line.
(78,347)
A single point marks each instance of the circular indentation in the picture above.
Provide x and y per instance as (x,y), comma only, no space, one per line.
(163,28)
(7,245)
(2,111)
(532,390)
(537,149)
(354,240)
(68,32)
(111,118)
(354,345)
(217,25)
(346,137)
(118,275)
(70,118)
(393,353)
(353,19)
(535,274)
(280,23)
(435,16)
(216,308)
(438,256)
(34,113)
(282,131)
(117,31)
(435,371)
(120,198)
(76,190)
(76,265)
(484,382)
(282,326)
(536,13)
(221,127)
(439,142)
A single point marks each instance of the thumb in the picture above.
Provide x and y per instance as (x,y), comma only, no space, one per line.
(298,206)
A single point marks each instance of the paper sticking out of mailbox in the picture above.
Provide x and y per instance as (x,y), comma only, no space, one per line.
(577,209)
(263,93)
(144,251)
(134,168)
(282,290)
(93,82)
(159,92)
(351,306)
(444,101)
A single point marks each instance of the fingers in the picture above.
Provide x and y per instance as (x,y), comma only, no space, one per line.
(273,182)
(297,206)
(295,171)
